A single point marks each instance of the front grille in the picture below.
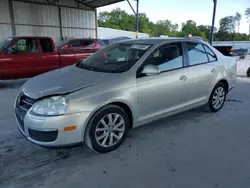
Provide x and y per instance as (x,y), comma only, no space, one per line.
(23,104)
(43,136)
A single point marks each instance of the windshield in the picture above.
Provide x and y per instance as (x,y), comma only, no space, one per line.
(106,42)
(61,43)
(115,58)
(5,43)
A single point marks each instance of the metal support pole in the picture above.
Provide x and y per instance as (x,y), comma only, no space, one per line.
(131,7)
(137,19)
(212,28)
(60,22)
(12,19)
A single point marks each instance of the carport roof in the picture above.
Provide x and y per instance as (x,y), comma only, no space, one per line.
(98,3)
(91,3)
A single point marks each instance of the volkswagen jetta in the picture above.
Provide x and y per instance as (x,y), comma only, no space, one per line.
(123,86)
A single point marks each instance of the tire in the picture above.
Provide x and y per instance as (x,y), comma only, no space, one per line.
(219,94)
(101,132)
(248,72)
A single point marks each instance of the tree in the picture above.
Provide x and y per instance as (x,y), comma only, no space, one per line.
(247,14)
(205,29)
(190,28)
(165,27)
(238,19)
(227,24)
(119,19)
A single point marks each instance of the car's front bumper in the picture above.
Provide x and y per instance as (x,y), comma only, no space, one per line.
(50,131)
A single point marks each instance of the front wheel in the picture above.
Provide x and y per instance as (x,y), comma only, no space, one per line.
(218,97)
(107,129)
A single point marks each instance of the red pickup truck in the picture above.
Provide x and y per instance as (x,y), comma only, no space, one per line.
(24,57)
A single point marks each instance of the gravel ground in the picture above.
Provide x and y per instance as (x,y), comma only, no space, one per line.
(190,150)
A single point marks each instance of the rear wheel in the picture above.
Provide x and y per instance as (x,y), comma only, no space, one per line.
(248,72)
(218,97)
(107,129)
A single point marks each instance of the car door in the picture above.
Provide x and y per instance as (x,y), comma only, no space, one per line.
(202,73)
(49,59)
(23,60)
(164,93)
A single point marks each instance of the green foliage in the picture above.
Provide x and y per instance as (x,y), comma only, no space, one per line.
(227,24)
(119,19)
(247,14)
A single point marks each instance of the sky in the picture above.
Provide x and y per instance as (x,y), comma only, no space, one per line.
(179,11)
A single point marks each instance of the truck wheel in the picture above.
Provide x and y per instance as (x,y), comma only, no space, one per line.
(248,72)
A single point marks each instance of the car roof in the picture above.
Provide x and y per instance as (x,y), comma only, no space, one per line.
(82,39)
(158,40)
(112,38)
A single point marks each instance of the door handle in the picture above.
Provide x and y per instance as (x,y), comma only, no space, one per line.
(183,78)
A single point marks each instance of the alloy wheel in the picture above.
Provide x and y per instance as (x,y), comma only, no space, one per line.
(218,97)
(110,130)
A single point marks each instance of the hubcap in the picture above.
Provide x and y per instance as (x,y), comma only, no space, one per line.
(110,130)
(218,97)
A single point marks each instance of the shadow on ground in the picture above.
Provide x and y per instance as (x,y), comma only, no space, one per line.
(12,84)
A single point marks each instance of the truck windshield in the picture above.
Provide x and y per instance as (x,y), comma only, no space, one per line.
(115,58)
(5,43)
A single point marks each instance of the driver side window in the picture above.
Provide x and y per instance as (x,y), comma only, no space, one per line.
(25,46)
(168,57)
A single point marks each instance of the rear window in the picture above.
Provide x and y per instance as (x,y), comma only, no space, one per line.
(90,43)
(101,43)
(82,43)
(106,42)
(75,43)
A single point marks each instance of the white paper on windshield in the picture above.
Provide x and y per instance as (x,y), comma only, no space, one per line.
(140,47)
(121,59)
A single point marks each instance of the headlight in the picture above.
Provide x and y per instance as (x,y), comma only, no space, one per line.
(51,106)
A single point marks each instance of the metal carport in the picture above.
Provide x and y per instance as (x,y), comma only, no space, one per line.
(66,17)
(55,18)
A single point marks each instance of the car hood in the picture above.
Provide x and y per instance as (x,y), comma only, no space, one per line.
(61,81)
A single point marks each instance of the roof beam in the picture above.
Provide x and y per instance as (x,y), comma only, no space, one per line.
(131,7)
(51,2)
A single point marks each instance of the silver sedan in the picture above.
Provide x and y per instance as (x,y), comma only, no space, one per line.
(123,86)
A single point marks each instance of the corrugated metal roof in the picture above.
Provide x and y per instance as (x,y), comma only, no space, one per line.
(98,3)
(73,3)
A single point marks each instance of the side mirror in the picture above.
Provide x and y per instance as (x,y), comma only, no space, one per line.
(10,51)
(69,46)
(151,70)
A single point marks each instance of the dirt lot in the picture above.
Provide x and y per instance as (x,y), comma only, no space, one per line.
(196,149)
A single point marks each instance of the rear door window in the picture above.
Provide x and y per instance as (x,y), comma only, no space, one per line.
(211,55)
(46,45)
(197,54)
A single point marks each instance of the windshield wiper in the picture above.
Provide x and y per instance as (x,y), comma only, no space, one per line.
(81,65)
